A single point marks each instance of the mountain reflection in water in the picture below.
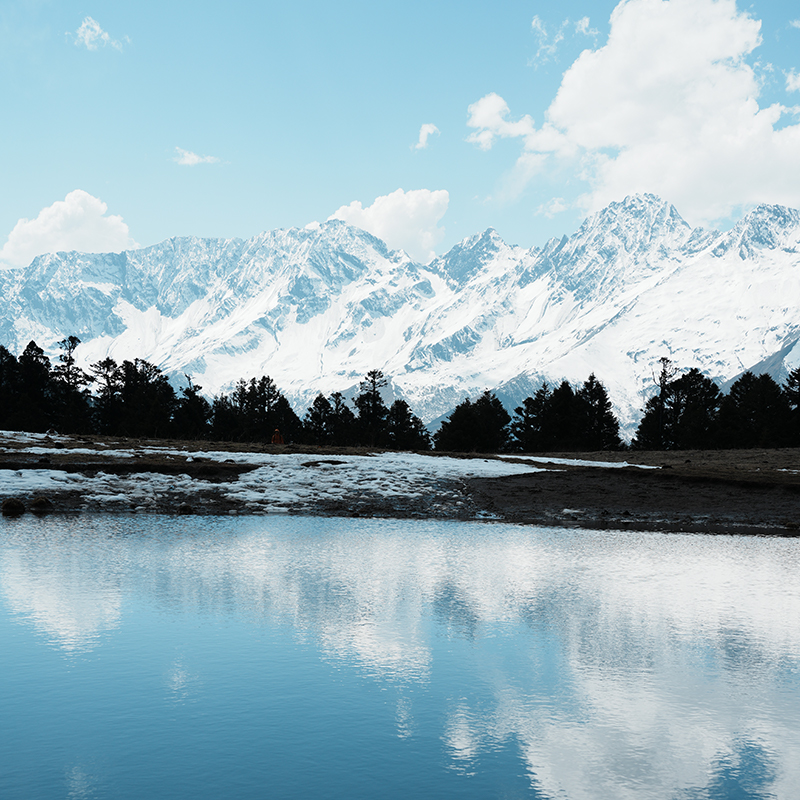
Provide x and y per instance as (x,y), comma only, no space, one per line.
(610,665)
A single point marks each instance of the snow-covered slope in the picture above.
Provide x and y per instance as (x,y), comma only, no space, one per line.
(318,307)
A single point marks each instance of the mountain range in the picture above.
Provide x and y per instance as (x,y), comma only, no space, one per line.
(317,307)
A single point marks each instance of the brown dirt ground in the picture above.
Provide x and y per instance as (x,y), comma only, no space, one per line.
(719,491)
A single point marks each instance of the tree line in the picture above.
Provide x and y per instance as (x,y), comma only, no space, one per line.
(135,399)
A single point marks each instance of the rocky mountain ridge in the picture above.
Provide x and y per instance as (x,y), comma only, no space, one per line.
(317,307)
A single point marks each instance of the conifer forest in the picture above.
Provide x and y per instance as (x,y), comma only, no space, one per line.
(135,399)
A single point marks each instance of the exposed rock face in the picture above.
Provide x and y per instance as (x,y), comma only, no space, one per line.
(317,308)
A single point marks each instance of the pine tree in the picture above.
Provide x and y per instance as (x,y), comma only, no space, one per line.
(406,431)
(71,400)
(527,428)
(317,423)
(598,428)
(192,413)
(482,426)
(372,411)
(756,413)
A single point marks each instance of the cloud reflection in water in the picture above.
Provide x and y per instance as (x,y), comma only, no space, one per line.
(622,665)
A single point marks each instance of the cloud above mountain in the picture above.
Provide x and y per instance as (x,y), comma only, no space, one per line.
(669,104)
(78,222)
(404,220)
(91,36)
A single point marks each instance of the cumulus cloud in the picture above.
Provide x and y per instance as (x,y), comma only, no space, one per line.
(189,159)
(668,105)
(78,222)
(489,116)
(91,36)
(795,23)
(792,81)
(425,132)
(404,220)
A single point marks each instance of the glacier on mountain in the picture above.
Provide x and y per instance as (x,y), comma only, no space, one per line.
(316,308)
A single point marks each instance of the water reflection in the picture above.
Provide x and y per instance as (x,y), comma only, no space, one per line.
(619,665)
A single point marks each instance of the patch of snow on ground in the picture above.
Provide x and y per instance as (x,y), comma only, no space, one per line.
(580,462)
(281,482)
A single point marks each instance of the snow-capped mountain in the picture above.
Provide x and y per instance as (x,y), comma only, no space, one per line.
(317,307)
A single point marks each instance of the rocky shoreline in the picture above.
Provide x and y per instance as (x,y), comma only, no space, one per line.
(745,492)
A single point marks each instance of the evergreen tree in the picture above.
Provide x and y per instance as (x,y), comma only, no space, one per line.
(107,376)
(252,412)
(480,427)
(683,415)
(147,400)
(10,388)
(192,413)
(342,423)
(561,421)
(756,413)
(598,427)
(406,431)
(791,390)
(71,400)
(36,390)
(372,411)
(456,433)
(527,430)
(693,409)
(318,421)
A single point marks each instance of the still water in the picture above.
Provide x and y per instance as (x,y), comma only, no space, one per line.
(301,657)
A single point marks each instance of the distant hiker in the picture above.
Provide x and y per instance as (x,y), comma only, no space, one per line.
(276,437)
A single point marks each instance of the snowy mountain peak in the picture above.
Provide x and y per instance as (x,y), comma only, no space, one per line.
(318,307)
(469,257)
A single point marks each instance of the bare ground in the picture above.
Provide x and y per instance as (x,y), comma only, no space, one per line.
(734,491)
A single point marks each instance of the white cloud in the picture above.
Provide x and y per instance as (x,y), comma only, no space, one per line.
(547,44)
(552,207)
(92,36)
(427,130)
(667,105)
(77,222)
(404,220)
(189,159)
(792,81)
(582,27)
(489,116)
(795,23)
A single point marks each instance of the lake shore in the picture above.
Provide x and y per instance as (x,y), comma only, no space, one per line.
(742,491)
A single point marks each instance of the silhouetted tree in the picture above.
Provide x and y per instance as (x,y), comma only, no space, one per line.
(10,387)
(108,379)
(755,413)
(343,422)
(35,409)
(792,391)
(406,431)
(147,400)
(252,412)
(527,428)
(372,411)
(683,415)
(480,427)
(598,427)
(317,423)
(192,416)
(71,400)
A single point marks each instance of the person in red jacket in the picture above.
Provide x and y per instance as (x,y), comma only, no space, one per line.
(276,437)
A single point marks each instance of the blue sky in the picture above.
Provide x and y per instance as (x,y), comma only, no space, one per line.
(131,122)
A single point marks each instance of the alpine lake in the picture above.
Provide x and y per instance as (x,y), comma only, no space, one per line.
(146,656)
